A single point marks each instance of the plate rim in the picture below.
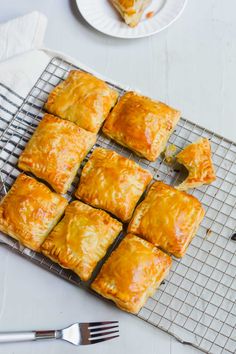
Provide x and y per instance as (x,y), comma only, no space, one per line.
(137,36)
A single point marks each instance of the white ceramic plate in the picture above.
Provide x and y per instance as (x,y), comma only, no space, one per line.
(101,15)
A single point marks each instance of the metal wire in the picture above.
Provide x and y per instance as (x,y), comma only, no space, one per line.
(197,303)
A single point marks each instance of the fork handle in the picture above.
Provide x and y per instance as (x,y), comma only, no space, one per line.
(9,337)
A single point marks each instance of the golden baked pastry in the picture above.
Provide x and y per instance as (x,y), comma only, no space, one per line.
(141,124)
(81,238)
(83,99)
(168,218)
(196,157)
(169,154)
(132,273)
(29,211)
(55,151)
(131,10)
(112,182)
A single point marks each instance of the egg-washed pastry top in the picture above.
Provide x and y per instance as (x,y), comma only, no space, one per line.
(141,124)
(112,182)
(132,273)
(168,218)
(131,10)
(55,151)
(196,157)
(29,211)
(81,238)
(83,99)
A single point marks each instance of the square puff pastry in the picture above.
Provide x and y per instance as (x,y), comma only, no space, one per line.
(112,182)
(83,99)
(131,10)
(81,238)
(141,124)
(196,158)
(55,151)
(132,273)
(168,218)
(29,211)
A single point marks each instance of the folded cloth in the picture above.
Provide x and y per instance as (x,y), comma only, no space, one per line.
(22,34)
(21,61)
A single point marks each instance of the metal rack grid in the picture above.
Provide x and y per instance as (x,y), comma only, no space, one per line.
(197,302)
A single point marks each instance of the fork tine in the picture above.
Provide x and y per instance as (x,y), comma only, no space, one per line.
(101,334)
(97,329)
(94,341)
(96,324)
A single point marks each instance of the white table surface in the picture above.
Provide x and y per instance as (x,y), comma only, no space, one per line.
(192,66)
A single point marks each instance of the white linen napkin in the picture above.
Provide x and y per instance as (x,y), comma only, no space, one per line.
(22,34)
(21,61)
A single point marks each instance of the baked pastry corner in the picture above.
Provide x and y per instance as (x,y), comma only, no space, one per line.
(196,158)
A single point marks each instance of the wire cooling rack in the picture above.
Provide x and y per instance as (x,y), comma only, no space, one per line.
(197,302)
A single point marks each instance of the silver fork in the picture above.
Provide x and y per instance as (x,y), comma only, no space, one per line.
(77,333)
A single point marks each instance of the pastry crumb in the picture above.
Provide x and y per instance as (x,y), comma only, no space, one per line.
(150,14)
(208,232)
(169,154)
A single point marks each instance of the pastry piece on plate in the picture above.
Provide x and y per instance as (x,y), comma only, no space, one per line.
(141,124)
(131,10)
(132,273)
(196,157)
(29,211)
(168,218)
(83,99)
(112,182)
(81,238)
(55,151)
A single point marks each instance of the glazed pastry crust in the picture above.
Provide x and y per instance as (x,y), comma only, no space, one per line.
(83,99)
(196,157)
(132,273)
(29,211)
(131,10)
(168,218)
(55,151)
(141,124)
(81,238)
(112,182)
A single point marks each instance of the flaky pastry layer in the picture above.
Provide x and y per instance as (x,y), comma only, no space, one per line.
(81,238)
(168,218)
(141,124)
(29,211)
(132,273)
(112,182)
